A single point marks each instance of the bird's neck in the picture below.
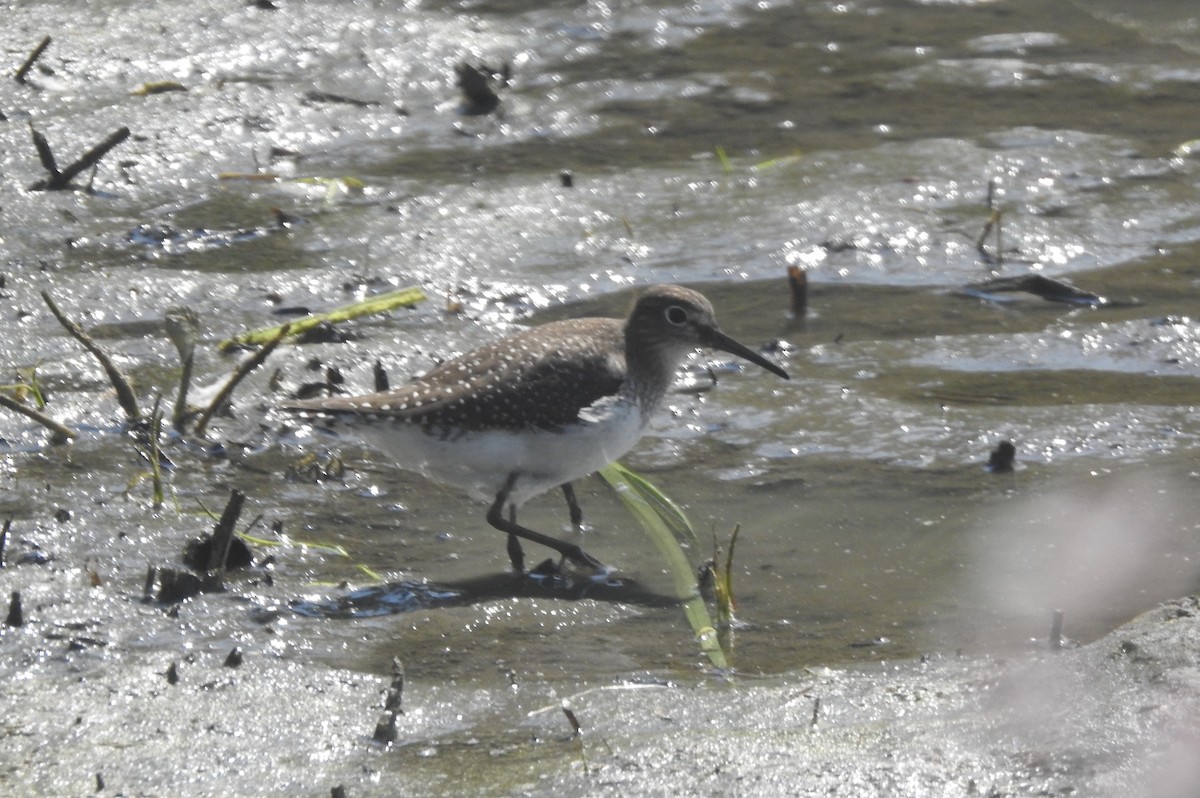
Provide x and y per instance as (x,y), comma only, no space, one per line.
(650,371)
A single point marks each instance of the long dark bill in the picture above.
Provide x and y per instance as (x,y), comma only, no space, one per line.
(719,340)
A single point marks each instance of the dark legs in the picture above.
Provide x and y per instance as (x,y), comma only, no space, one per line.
(573,505)
(570,551)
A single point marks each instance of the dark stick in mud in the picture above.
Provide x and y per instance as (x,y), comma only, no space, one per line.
(23,71)
(121,385)
(4,538)
(60,180)
(16,616)
(798,282)
(60,433)
(395,694)
(223,533)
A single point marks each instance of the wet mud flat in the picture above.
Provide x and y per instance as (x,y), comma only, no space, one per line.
(87,712)
(920,161)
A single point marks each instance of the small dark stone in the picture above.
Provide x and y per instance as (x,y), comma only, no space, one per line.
(62,515)
(99,782)
(234,660)
(566,178)
(172,674)
(338,792)
(381,378)
(198,552)
(175,586)
(478,85)
(1002,458)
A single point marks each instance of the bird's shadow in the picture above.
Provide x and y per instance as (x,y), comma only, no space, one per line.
(394,598)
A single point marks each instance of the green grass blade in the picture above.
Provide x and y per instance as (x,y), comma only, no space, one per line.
(644,502)
(726,164)
(671,513)
(400,298)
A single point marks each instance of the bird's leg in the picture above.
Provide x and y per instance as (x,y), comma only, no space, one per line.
(573,505)
(516,554)
(496,518)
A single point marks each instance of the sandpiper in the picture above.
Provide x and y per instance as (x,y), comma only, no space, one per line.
(538,409)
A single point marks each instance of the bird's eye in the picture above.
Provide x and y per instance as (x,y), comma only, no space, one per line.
(676,315)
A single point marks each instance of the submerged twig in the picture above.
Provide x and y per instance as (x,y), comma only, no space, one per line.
(124,392)
(23,71)
(59,432)
(248,365)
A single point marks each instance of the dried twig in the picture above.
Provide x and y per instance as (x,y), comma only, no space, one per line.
(59,433)
(60,180)
(120,384)
(23,71)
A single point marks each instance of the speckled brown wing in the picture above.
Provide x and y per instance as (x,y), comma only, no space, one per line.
(537,379)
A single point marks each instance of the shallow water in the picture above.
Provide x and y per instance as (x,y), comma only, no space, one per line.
(714,144)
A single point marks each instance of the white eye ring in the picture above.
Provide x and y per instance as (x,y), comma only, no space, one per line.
(676,315)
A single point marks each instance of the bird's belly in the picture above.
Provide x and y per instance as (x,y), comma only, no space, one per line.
(481,462)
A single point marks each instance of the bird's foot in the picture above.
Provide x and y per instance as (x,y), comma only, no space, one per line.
(583,561)
(568,574)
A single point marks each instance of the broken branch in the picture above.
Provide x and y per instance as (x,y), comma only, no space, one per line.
(124,392)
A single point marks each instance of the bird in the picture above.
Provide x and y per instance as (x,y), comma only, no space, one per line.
(536,410)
